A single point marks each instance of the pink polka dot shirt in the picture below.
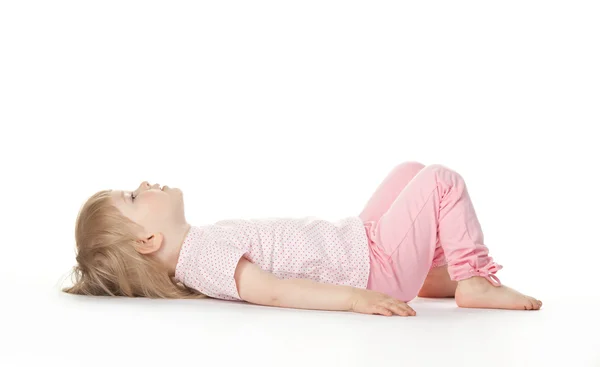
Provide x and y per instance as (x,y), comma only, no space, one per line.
(308,247)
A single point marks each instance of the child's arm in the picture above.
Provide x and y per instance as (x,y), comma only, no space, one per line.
(261,287)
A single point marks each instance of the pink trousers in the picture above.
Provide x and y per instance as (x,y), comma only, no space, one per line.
(418,218)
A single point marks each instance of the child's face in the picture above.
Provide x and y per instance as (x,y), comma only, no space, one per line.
(154,209)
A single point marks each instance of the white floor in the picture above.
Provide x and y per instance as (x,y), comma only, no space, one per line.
(50,328)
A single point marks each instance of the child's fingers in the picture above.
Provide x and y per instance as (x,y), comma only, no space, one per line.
(401,310)
(395,307)
(383,311)
(405,309)
(410,309)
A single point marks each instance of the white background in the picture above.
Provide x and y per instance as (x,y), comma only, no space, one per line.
(279,108)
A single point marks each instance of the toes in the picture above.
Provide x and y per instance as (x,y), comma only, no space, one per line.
(530,303)
(535,304)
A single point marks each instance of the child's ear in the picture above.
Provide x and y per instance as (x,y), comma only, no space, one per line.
(150,244)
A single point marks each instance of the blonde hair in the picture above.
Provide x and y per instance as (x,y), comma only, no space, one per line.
(107,262)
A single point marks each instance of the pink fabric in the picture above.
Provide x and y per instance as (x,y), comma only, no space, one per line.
(328,252)
(421,217)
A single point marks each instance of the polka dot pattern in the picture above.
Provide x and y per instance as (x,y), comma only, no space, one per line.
(308,247)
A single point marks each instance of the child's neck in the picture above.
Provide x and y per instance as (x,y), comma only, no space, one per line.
(170,255)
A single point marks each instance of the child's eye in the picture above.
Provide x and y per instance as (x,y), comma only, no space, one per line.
(132,198)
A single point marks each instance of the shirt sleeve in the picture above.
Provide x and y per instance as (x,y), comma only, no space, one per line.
(212,270)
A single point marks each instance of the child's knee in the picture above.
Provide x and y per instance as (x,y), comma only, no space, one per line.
(444,171)
(411,165)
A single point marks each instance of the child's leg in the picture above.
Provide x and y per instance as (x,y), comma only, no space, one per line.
(436,203)
(438,283)
(391,186)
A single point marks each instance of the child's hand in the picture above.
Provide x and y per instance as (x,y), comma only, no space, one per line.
(371,302)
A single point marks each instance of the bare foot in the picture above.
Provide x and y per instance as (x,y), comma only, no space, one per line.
(438,284)
(478,292)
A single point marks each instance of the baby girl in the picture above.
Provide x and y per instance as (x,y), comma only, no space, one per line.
(418,235)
